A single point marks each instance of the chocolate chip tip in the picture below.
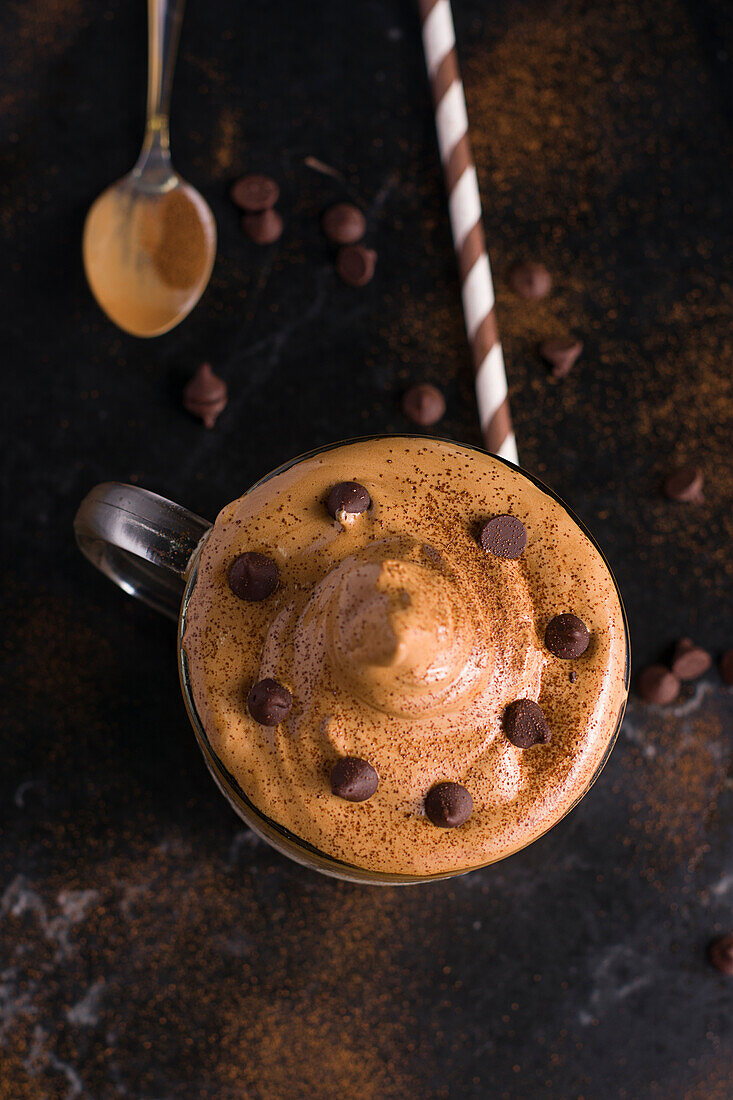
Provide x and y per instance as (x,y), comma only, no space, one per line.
(254,192)
(690,661)
(269,702)
(504,536)
(525,725)
(205,395)
(448,805)
(263,228)
(356,264)
(726,667)
(350,497)
(354,779)
(423,404)
(684,485)
(253,576)
(658,685)
(343,223)
(561,354)
(530,280)
(567,637)
(720,954)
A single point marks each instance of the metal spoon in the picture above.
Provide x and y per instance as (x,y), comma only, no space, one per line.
(150,239)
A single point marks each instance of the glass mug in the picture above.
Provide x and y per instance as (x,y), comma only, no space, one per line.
(150,547)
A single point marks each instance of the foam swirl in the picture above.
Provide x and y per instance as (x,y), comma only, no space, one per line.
(402,641)
(399,633)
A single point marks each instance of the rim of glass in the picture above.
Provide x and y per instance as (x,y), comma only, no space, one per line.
(282,839)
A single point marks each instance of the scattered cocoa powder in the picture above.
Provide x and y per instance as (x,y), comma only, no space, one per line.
(176,239)
(674,777)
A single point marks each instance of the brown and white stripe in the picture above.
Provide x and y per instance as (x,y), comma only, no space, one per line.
(464,205)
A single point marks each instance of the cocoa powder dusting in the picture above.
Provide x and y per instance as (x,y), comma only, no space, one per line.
(210,990)
(178,242)
(675,772)
(226,139)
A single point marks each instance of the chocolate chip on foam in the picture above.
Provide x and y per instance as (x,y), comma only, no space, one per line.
(525,725)
(504,536)
(448,805)
(269,702)
(253,577)
(401,642)
(567,637)
(347,498)
(354,779)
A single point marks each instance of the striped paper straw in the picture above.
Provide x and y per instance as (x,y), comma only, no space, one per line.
(464,205)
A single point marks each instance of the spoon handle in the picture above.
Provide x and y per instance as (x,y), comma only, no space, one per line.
(164,29)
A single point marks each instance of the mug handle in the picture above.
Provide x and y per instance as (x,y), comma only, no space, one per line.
(141,541)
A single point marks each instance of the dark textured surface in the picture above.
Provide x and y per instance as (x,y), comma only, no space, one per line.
(150,947)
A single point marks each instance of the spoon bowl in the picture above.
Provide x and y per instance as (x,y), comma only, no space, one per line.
(148,252)
(149,240)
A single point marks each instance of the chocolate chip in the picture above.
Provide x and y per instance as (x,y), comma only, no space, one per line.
(726,667)
(567,636)
(685,485)
(205,396)
(344,223)
(264,228)
(690,661)
(269,702)
(354,779)
(355,264)
(349,497)
(423,404)
(720,953)
(505,536)
(656,684)
(573,677)
(561,353)
(252,576)
(525,725)
(530,280)
(255,193)
(448,805)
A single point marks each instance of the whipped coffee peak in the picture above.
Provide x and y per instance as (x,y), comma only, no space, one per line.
(401,634)
(402,642)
